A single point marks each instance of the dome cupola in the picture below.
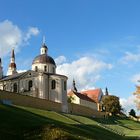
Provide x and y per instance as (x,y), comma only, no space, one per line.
(43,62)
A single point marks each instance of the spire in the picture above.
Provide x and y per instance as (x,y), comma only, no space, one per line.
(74,86)
(44,40)
(12,56)
(13,53)
(12,65)
(106,91)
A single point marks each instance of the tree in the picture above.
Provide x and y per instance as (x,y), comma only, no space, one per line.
(70,99)
(111,104)
(132,113)
(137,101)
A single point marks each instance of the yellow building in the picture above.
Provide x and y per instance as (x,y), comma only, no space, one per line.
(82,99)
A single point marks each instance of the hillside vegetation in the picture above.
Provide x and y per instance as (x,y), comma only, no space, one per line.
(26,123)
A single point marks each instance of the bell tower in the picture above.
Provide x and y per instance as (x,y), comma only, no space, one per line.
(12,66)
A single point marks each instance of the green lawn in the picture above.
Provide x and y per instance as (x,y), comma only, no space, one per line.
(34,124)
(124,125)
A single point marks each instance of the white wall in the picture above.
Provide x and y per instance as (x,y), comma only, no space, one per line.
(91,105)
(50,68)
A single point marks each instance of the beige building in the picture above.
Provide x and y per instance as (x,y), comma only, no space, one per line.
(81,99)
(88,98)
(42,81)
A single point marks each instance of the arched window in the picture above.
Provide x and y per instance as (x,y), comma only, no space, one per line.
(36,68)
(53,84)
(30,84)
(65,85)
(45,68)
(15,87)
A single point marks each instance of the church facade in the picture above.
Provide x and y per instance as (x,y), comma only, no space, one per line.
(41,81)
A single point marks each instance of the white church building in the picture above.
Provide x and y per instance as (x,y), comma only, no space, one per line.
(42,81)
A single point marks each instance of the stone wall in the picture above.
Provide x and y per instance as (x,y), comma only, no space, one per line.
(23,100)
(85,111)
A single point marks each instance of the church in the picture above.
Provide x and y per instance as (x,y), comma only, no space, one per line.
(41,81)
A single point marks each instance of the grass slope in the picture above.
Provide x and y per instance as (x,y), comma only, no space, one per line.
(34,124)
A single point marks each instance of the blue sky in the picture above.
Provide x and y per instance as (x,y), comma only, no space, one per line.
(97,42)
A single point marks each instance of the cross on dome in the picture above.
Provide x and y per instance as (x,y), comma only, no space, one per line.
(44,39)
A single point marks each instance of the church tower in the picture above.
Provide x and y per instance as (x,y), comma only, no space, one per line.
(12,66)
(1,69)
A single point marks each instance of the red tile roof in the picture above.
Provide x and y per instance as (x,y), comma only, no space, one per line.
(93,94)
(81,96)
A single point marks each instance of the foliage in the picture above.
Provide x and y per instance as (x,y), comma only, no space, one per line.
(70,99)
(111,104)
(132,113)
(137,101)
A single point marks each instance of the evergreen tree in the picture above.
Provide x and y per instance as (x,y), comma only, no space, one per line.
(132,113)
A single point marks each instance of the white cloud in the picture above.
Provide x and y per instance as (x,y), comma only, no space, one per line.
(32,31)
(11,36)
(136,78)
(129,103)
(85,71)
(20,71)
(130,57)
(60,60)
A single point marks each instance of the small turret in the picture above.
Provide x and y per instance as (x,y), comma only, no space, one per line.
(1,69)
(44,48)
(74,86)
(106,91)
(12,66)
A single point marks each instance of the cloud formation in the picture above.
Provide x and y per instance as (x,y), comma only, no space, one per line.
(60,60)
(11,36)
(136,78)
(130,57)
(129,103)
(32,31)
(20,71)
(85,71)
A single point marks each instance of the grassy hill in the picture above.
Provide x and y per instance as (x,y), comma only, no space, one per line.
(26,123)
